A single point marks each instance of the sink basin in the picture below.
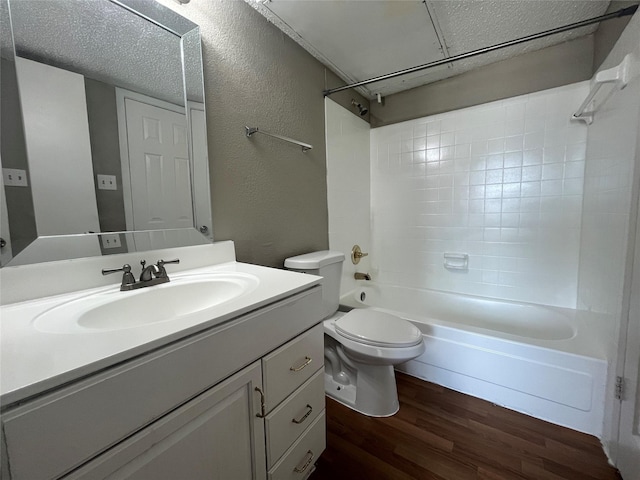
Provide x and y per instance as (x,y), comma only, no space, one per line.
(112,309)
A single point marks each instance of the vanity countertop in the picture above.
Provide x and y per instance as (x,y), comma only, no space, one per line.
(33,361)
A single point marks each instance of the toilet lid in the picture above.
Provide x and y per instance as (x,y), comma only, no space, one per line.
(381,329)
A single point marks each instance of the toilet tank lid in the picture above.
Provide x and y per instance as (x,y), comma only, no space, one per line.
(314,260)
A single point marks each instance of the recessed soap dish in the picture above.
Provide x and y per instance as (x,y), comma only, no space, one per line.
(456,261)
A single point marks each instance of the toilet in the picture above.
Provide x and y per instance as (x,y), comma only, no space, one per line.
(361,346)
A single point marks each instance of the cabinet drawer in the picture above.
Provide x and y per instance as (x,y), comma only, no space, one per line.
(298,462)
(289,366)
(293,416)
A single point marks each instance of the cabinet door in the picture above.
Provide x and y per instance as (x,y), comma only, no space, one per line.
(217,435)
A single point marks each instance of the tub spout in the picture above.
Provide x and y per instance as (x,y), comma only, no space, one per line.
(361,276)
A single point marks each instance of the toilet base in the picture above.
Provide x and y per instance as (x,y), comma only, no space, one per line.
(374,399)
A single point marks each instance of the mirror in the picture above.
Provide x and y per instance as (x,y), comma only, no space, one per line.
(103,134)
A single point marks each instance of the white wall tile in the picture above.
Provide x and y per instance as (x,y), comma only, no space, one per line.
(511,197)
(504,186)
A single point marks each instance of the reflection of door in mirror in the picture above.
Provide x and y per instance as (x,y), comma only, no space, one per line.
(155,158)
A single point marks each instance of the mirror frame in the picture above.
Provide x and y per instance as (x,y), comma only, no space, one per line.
(63,247)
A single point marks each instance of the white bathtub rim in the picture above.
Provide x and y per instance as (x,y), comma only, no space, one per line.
(590,338)
(488,339)
(374,283)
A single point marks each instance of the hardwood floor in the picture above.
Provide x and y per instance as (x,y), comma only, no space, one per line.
(445,435)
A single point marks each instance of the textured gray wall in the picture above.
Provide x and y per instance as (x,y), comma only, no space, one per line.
(22,221)
(267,196)
(102,115)
(550,67)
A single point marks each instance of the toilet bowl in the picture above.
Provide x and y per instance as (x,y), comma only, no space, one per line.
(363,378)
(361,346)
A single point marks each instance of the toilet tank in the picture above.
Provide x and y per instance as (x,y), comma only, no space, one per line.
(328,265)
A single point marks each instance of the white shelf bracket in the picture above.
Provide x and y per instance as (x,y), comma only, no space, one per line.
(618,76)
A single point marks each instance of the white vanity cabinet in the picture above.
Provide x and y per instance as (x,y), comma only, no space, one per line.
(217,435)
(209,406)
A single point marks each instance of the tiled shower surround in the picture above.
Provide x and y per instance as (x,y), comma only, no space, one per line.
(501,182)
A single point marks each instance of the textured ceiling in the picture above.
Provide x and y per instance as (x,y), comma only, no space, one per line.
(361,39)
(103,41)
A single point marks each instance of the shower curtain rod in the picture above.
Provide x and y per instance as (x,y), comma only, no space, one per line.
(618,13)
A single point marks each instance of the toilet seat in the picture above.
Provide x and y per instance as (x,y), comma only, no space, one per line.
(376,328)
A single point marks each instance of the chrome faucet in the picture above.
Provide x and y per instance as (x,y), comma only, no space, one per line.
(361,276)
(148,272)
(146,277)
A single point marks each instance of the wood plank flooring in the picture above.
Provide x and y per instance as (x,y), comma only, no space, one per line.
(444,435)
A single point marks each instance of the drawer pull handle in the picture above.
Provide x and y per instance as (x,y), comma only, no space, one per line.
(307,361)
(262,413)
(306,464)
(304,417)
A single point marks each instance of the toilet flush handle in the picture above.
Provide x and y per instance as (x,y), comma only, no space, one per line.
(357,254)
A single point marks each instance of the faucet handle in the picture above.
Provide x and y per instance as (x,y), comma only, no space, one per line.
(162,272)
(127,277)
(357,254)
(126,268)
(164,262)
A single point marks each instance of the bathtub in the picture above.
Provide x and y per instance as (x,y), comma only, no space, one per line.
(546,362)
